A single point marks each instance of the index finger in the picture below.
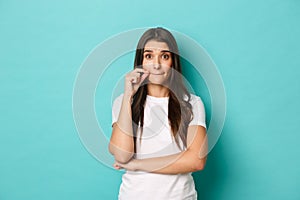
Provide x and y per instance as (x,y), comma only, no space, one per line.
(140,70)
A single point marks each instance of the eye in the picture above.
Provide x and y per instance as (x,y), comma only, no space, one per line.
(148,56)
(165,56)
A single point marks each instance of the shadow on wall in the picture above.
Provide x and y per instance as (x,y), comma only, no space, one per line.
(210,181)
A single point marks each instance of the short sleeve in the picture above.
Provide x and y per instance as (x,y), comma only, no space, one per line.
(198,111)
(116,107)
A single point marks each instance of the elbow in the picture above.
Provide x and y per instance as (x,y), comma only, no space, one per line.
(199,164)
(123,158)
(120,155)
(111,148)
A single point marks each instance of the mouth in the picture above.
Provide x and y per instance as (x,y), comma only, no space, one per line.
(156,73)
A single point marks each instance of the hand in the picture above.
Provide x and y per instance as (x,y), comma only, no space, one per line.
(132,165)
(134,79)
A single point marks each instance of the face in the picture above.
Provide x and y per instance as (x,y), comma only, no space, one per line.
(157,60)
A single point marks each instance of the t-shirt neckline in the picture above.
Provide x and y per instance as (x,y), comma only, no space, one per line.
(157,99)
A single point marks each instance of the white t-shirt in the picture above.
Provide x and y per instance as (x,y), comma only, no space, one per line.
(157,140)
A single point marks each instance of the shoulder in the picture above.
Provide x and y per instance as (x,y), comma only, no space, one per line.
(198,111)
(118,99)
(194,99)
(197,103)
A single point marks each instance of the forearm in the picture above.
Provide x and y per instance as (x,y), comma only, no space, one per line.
(183,162)
(125,116)
(121,143)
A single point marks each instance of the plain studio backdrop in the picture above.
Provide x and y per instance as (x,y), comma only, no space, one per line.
(255,45)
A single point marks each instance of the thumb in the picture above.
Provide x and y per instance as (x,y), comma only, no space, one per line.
(116,166)
(144,76)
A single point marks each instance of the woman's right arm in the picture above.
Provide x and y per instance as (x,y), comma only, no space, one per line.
(121,144)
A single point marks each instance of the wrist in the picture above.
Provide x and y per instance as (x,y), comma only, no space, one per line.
(127,97)
(137,164)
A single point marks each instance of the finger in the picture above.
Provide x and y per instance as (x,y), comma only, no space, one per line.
(135,79)
(138,73)
(144,76)
(141,76)
(117,166)
(140,70)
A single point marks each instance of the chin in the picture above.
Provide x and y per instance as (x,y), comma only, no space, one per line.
(156,81)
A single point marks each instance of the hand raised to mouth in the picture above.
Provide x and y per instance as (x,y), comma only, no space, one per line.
(134,79)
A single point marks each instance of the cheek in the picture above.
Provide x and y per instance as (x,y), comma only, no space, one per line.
(167,66)
(167,63)
(147,65)
(167,71)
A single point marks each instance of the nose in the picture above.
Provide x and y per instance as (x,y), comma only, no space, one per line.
(156,63)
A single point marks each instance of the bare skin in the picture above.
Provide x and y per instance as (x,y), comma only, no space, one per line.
(157,64)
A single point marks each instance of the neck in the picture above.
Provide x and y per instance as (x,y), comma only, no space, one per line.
(157,90)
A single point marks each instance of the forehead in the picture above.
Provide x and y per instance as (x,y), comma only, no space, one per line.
(156,46)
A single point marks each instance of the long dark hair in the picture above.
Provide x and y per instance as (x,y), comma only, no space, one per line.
(179,109)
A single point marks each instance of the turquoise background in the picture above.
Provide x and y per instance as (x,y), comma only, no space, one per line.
(255,45)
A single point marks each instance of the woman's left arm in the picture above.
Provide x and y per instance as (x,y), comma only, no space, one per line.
(191,160)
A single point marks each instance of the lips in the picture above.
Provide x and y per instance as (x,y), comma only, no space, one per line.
(157,73)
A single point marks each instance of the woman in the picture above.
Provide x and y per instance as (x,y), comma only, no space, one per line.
(159,130)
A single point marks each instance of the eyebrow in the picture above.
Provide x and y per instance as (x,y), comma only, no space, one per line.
(160,51)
